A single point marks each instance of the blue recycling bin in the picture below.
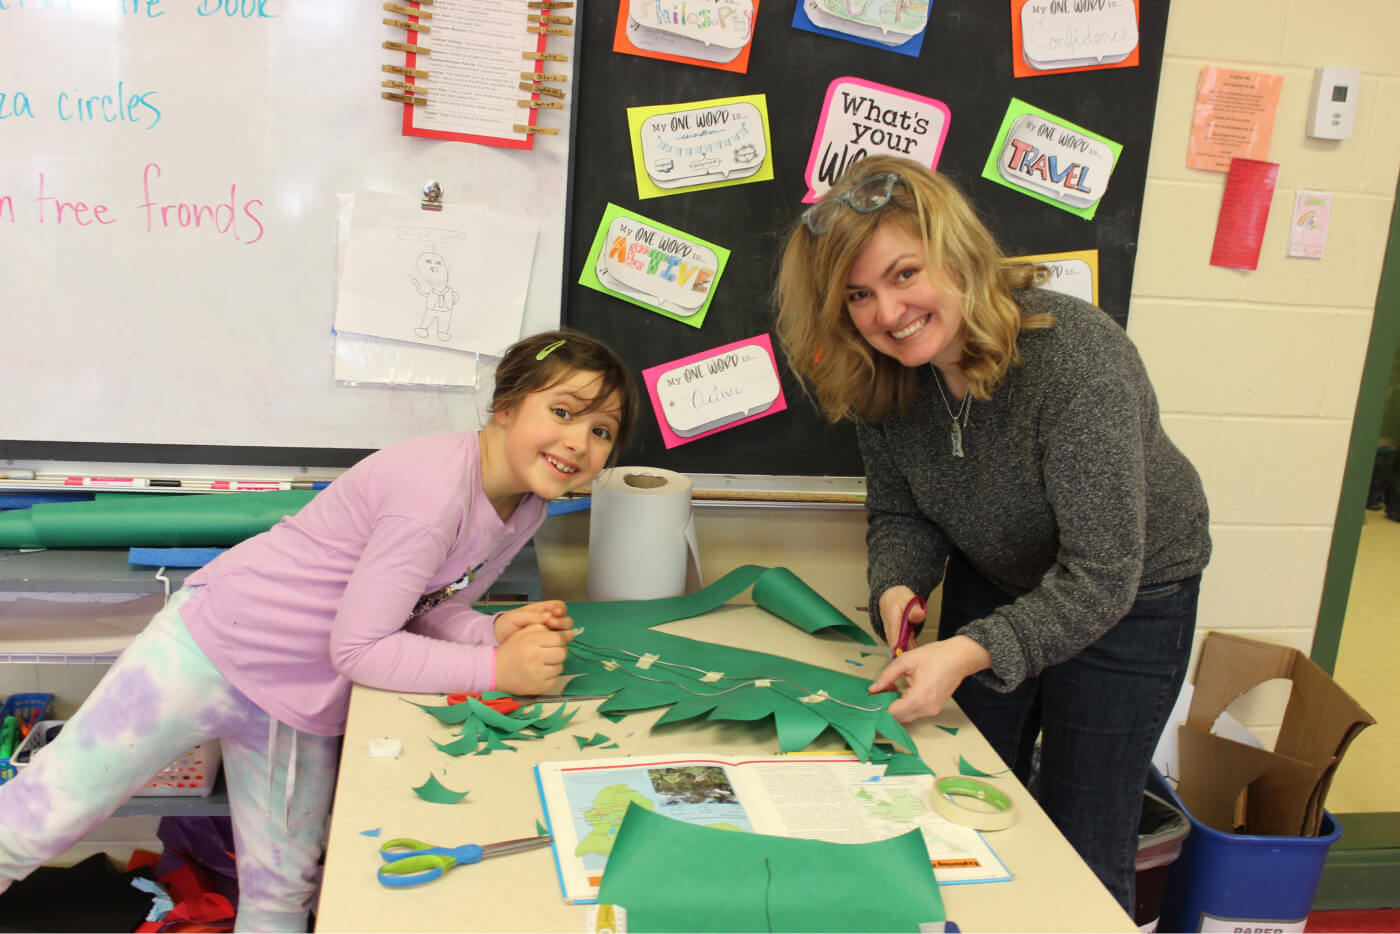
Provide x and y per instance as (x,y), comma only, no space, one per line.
(1229,881)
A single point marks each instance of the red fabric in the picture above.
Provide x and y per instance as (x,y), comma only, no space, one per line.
(196,907)
(1354,919)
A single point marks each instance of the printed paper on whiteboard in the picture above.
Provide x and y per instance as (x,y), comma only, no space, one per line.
(715,390)
(861,118)
(455,278)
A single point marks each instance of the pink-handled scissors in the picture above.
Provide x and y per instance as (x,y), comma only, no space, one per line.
(906,629)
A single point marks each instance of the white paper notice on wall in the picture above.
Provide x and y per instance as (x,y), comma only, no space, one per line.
(1307,233)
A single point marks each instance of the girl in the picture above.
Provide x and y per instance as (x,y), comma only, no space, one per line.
(1011,434)
(370,583)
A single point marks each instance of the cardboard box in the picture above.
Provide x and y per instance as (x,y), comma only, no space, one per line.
(1231,786)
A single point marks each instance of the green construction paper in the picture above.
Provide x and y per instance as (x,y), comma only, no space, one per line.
(581,740)
(619,632)
(609,746)
(967,768)
(540,828)
(150,520)
(719,880)
(903,763)
(950,730)
(618,716)
(451,714)
(460,747)
(434,791)
(597,739)
(784,594)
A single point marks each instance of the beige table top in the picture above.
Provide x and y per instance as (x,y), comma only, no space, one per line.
(1052,889)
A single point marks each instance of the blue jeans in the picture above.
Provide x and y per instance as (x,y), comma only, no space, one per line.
(1099,716)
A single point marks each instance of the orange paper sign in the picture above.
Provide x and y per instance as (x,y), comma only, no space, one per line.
(1234,117)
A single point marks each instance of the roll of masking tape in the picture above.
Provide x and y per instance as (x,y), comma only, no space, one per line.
(946,791)
(641,535)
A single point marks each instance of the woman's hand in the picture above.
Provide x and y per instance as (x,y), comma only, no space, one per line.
(531,659)
(933,672)
(550,613)
(892,604)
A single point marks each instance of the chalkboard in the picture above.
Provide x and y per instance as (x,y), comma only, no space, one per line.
(966,62)
(129,332)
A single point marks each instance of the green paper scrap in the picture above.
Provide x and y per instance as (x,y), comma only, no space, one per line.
(967,768)
(614,716)
(451,714)
(904,763)
(767,883)
(461,747)
(434,791)
(610,746)
(540,829)
(666,268)
(120,520)
(950,730)
(1078,178)
(597,739)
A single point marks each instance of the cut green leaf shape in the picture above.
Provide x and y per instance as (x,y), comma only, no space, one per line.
(434,791)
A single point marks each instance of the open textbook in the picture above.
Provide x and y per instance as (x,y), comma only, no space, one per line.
(834,798)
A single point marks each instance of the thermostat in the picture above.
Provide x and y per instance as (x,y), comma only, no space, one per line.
(1333,111)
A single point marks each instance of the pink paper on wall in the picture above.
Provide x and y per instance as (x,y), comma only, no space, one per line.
(1244,213)
(715,390)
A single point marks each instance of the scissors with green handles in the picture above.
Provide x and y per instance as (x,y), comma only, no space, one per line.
(413,862)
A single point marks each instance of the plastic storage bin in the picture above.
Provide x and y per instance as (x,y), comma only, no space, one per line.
(192,774)
(28,707)
(1234,882)
(1162,831)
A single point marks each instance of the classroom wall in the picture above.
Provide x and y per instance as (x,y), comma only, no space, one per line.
(1257,372)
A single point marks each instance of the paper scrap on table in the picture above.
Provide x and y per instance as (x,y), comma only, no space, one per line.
(1234,117)
(1244,213)
(434,791)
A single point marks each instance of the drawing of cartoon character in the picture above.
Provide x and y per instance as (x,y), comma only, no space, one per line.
(439,297)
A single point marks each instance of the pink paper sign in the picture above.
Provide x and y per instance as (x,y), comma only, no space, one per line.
(861,118)
(715,390)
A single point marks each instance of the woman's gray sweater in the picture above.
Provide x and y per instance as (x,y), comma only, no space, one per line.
(1070,496)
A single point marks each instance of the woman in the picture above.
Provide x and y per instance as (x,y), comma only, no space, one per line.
(1012,434)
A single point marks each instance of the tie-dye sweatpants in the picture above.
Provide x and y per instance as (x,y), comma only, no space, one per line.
(161,698)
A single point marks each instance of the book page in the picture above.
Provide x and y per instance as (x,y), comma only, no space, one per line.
(474,68)
(838,800)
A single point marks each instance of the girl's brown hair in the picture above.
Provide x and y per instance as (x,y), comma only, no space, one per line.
(848,377)
(539,361)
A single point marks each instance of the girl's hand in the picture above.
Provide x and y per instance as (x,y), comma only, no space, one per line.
(551,613)
(532,659)
(892,604)
(933,672)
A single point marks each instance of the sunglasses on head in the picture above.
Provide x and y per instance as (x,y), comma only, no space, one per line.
(870,195)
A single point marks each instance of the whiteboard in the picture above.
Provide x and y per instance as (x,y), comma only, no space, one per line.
(117,323)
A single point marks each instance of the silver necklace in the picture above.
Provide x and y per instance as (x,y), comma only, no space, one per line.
(960,417)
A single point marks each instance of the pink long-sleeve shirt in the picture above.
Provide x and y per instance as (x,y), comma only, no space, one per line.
(295,615)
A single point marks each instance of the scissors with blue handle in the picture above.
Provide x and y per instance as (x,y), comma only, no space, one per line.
(413,862)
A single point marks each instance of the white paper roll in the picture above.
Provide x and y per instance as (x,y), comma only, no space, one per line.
(641,535)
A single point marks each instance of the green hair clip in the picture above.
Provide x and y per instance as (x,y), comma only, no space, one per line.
(550,349)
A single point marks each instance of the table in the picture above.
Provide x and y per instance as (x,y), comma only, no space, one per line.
(1052,888)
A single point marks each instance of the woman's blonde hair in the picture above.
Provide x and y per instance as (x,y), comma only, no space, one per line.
(849,378)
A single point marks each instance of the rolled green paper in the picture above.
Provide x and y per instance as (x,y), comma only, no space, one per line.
(157,520)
